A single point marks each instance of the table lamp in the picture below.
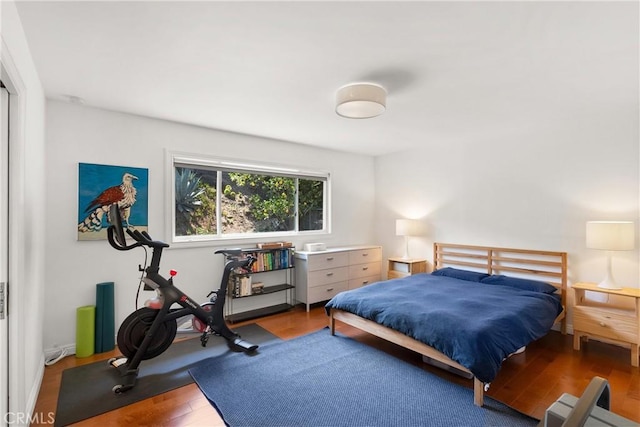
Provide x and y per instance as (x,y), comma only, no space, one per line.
(610,236)
(407,228)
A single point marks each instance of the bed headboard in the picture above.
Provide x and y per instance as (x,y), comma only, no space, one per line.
(546,266)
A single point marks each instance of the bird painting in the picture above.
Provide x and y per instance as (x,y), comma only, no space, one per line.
(124,195)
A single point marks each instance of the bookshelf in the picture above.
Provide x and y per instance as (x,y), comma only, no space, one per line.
(268,288)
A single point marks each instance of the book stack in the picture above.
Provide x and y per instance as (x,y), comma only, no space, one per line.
(241,286)
(274,245)
(272,260)
(245,286)
(257,287)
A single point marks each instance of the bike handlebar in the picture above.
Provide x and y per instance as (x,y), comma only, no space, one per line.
(116,238)
(115,233)
(230,252)
(234,256)
(118,242)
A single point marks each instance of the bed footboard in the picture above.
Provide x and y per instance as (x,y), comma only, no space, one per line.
(403,341)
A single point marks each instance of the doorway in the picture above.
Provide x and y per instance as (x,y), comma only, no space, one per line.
(4,253)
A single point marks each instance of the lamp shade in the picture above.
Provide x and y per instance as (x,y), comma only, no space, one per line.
(361,100)
(611,235)
(408,227)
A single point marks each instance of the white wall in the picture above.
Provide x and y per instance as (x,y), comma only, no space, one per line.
(532,188)
(77,134)
(26,215)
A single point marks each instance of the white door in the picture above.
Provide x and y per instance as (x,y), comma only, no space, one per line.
(4,251)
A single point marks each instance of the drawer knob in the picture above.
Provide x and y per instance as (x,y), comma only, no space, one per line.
(329,258)
(329,290)
(603,324)
(365,254)
(365,268)
(365,282)
(330,274)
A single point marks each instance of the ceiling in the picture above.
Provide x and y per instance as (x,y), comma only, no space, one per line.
(455,72)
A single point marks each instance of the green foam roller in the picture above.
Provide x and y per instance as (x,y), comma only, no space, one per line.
(85,330)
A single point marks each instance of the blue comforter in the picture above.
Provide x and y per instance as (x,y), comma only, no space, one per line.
(475,324)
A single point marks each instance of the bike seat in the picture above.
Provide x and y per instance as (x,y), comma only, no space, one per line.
(232,252)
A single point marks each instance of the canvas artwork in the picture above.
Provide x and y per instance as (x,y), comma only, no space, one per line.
(100,186)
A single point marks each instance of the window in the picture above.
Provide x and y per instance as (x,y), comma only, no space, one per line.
(221,199)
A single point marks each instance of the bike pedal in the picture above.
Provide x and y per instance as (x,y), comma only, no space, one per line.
(204,339)
(116,362)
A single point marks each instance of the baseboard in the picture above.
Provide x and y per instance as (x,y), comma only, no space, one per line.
(35,389)
(53,353)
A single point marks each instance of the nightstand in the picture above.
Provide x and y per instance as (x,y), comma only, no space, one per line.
(403,267)
(614,323)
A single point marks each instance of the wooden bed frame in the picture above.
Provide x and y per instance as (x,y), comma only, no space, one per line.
(547,266)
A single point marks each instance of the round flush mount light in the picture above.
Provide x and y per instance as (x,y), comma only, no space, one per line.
(361,100)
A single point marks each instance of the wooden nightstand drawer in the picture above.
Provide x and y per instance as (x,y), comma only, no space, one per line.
(331,275)
(606,323)
(613,321)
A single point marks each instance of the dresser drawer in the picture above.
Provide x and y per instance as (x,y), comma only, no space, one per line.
(357,283)
(605,323)
(365,255)
(327,260)
(326,292)
(330,275)
(321,275)
(364,270)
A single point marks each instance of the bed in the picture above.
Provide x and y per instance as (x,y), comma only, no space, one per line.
(467,277)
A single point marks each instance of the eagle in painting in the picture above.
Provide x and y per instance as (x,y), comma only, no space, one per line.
(124,195)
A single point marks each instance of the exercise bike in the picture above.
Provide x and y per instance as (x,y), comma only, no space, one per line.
(149,331)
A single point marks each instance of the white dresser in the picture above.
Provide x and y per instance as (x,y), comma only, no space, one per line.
(321,275)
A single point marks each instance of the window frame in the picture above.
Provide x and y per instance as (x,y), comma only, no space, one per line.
(219,164)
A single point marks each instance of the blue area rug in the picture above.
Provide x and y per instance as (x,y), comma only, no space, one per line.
(324,380)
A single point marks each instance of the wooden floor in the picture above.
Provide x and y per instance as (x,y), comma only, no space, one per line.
(529,382)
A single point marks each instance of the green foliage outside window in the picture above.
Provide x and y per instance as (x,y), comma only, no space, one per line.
(251,203)
(310,204)
(188,191)
(271,200)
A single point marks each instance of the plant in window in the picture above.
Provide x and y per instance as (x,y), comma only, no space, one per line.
(271,200)
(203,219)
(310,203)
(188,191)
(229,193)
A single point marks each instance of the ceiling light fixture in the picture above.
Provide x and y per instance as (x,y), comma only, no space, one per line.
(361,100)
